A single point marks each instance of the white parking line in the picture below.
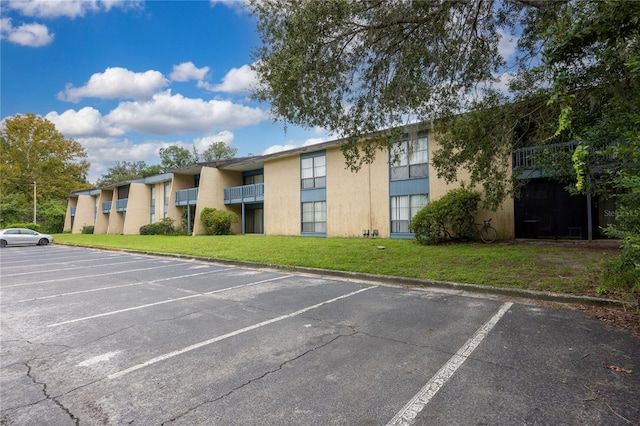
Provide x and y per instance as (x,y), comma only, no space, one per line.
(121,286)
(410,411)
(177,299)
(87,276)
(233,333)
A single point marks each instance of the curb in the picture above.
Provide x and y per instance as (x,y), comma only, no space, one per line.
(388,280)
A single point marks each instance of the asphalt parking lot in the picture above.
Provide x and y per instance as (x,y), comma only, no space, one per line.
(92,337)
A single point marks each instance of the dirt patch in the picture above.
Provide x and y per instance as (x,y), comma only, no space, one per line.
(616,317)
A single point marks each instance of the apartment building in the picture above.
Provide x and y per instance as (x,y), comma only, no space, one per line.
(309,191)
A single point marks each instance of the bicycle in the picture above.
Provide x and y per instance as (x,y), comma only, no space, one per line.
(485,231)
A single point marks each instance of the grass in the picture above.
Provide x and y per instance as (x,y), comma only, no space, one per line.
(572,269)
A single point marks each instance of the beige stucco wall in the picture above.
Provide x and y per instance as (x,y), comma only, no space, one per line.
(211,194)
(282,196)
(502,219)
(138,208)
(102,219)
(85,208)
(357,201)
(71,203)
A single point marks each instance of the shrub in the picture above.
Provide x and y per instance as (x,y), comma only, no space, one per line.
(87,229)
(29,225)
(164,227)
(446,219)
(217,222)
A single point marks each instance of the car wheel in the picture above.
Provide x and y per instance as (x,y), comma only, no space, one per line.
(43,242)
(3,243)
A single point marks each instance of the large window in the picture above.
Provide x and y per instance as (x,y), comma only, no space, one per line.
(313,171)
(152,205)
(403,209)
(410,159)
(314,217)
(167,186)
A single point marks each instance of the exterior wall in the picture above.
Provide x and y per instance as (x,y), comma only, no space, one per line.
(356,201)
(85,209)
(71,203)
(211,194)
(116,219)
(138,208)
(177,183)
(282,196)
(502,219)
(102,219)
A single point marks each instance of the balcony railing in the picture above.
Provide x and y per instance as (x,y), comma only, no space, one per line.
(121,205)
(187,197)
(73,211)
(244,194)
(106,207)
(526,159)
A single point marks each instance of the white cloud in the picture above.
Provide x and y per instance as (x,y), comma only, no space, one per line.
(32,35)
(188,71)
(68,8)
(166,113)
(116,83)
(507,45)
(241,79)
(293,145)
(85,122)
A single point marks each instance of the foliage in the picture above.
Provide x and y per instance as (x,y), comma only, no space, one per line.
(29,225)
(446,218)
(218,151)
(217,222)
(32,150)
(163,227)
(87,229)
(125,170)
(353,68)
(51,215)
(175,157)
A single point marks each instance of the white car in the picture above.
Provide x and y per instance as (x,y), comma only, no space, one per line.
(23,236)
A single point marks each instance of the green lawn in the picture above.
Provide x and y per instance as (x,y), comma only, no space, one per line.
(572,269)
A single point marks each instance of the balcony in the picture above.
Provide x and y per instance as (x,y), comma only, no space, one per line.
(121,205)
(244,194)
(187,197)
(106,207)
(73,211)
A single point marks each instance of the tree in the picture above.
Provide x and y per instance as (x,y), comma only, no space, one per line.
(175,157)
(354,68)
(31,149)
(125,170)
(219,151)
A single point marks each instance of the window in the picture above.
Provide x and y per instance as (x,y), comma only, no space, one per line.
(166,198)
(314,217)
(403,209)
(313,171)
(410,159)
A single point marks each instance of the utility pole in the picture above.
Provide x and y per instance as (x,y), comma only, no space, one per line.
(34,201)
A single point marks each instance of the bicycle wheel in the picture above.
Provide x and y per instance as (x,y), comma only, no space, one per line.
(488,234)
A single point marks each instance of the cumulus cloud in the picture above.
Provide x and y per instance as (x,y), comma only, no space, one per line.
(507,45)
(68,8)
(293,145)
(32,35)
(85,122)
(241,79)
(188,71)
(116,83)
(166,113)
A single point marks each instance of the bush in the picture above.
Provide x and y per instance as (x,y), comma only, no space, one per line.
(87,229)
(29,225)
(217,222)
(446,219)
(164,227)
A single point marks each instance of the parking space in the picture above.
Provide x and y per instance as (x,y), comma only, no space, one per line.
(98,337)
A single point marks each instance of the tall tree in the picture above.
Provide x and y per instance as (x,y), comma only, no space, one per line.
(219,151)
(354,68)
(175,157)
(32,150)
(126,170)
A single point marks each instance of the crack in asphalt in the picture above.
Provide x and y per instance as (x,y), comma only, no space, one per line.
(254,379)
(48,397)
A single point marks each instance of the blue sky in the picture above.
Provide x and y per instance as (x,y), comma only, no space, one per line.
(126,78)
